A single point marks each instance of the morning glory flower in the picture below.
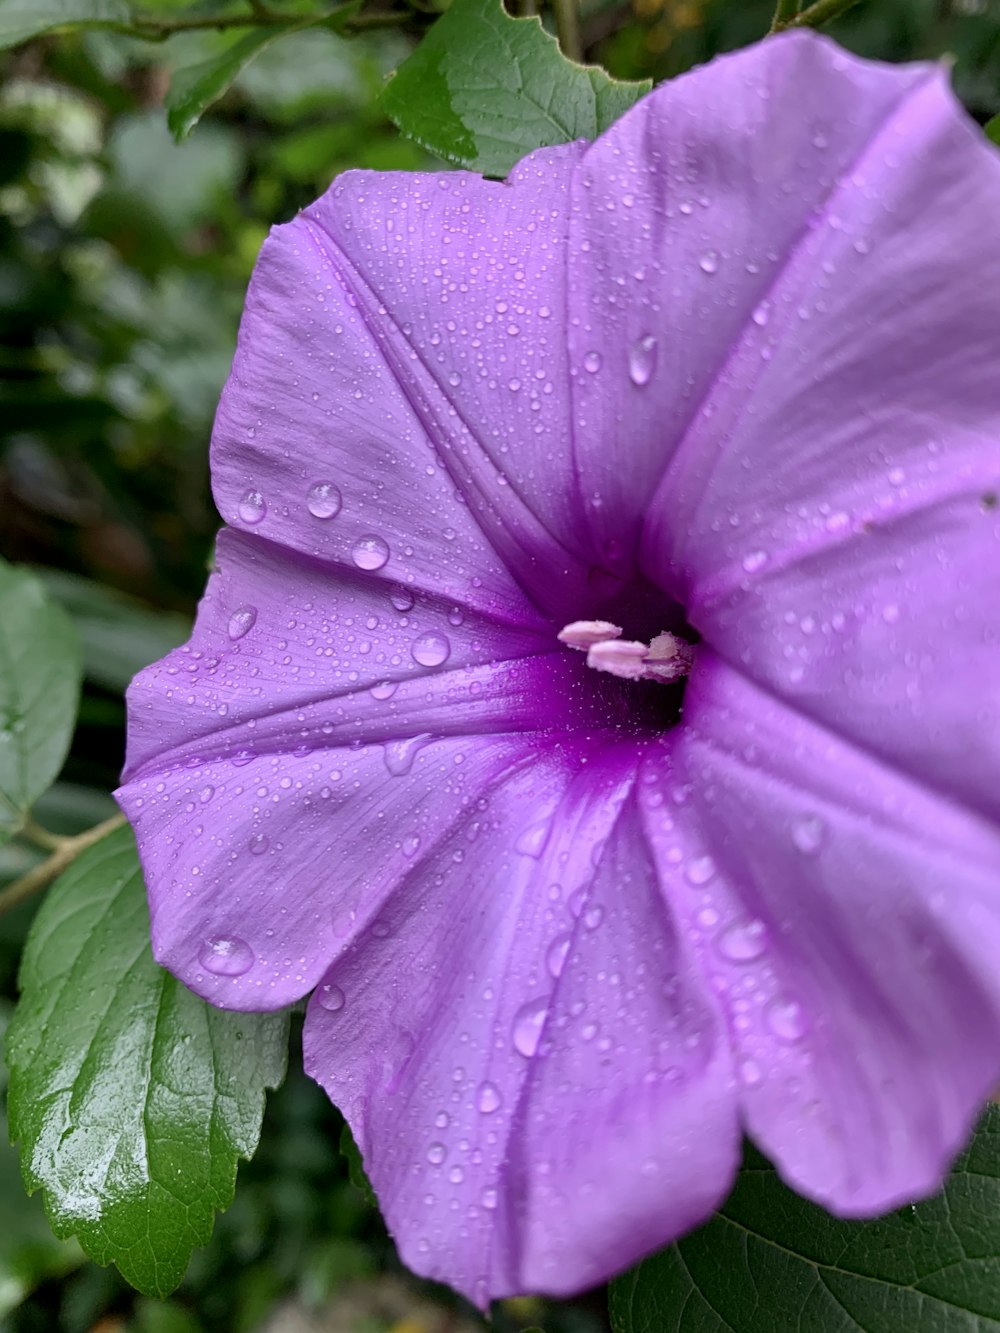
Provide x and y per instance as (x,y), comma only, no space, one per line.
(595,705)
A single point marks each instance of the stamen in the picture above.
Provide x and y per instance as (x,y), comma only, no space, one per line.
(666,659)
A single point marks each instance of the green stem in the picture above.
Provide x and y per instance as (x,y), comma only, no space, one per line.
(53,866)
(784,12)
(568,28)
(815,15)
(158,30)
(41,837)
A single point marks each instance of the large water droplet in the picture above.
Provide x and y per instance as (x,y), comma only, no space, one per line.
(709,262)
(370,552)
(384,690)
(431,650)
(489,1198)
(787,1020)
(642,360)
(528,1023)
(252,507)
(808,832)
(700,870)
(242,621)
(331,998)
(743,942)
(226,957)
(592,362)
(324,500)
(488,1098)
(399,755)
(533,840)
(436,1154)
(258,844)
(557,953)
(402,599)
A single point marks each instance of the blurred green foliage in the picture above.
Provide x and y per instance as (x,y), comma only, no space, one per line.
(123,262)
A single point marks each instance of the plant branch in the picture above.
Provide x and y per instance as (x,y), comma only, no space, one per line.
(568,28)
(41,837)
(64,855)
(784,12)
(342,18)
(814,16)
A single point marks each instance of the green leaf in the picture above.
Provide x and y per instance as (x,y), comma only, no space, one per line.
(21,20)
(39,693)
(355,1166)
(482,89)
(119,634)
(992,128)
(29,1252)
(194,89)
(132,1099)
(771,1260)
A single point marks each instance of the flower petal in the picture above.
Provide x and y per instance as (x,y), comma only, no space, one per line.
(526,1055)
(404,341)
(684,216)
(288,762)
(851,920)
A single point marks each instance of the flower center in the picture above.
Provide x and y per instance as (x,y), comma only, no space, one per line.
(666,658)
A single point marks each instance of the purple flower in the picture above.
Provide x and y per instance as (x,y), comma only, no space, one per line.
(722,386)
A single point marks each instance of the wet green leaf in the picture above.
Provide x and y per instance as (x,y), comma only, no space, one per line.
(771,1260)
(39,693)
(482,89)
(133,1100)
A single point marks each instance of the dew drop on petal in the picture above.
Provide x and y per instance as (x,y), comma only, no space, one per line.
(489,1198)
(786,1019)
(754,560)
(324,500)
(252,507)
(642,360)
(436,1154)
(488,1098)
(399,755)
(808,832)
(242,621)
(431,650)
(750,1073)
(384,690)
(528,1023)
(331,998)
(743,942)
(370,552)
(532,842)
(558,951)
(700,870)
(258,844)
(709,262)
(226,957)
(592,362)
(402,599)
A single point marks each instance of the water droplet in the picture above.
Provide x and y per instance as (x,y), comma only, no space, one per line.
(642,360)
(593,917)
(700,870)
(402,599)
(709,262)
(528,1023)
(436,1154)
(558,951)
(592,362)
(786,1019)
(431,650)
(258,844)
(229,957)
(399,755)
(242,621)
(808,832)
(324,500)
(533,840)
(331,998)
(488,1098)
(743,942)
(370,552)
(750,1073)
(754,560)
(489,1198)
(410,844)
(456,1175)
(385,689)
(762,314)
(252,508)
